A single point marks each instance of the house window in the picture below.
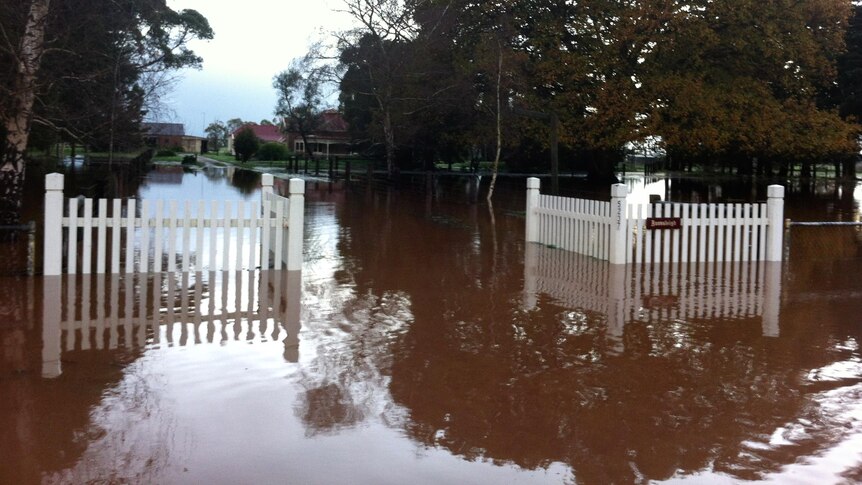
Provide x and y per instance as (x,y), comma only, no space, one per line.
(299,146)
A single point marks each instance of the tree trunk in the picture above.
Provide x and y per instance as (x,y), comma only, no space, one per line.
(849,169)
(17,120)
(389,137)
(499,129)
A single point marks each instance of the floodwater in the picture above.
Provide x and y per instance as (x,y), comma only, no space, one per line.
(424,342)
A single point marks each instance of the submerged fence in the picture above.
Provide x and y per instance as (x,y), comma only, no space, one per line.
(122,235)
(658,232)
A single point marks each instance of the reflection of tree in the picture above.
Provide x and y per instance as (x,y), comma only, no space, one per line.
(477,374)
(246,181)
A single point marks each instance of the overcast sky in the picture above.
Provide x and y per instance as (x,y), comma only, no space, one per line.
(254,40)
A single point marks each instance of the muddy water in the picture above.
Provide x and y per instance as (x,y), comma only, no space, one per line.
(424,343)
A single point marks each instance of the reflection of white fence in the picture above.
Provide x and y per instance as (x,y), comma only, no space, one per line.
(657,233)
(83,312)
(659,293)
(193,236)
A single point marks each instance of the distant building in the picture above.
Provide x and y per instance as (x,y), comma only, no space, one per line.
(330,138)
(171,136)
(264,133)
(163,135)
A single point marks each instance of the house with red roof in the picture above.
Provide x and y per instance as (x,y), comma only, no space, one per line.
(331,138)
(264,133)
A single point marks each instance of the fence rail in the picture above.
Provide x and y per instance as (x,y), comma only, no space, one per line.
(126,235)
(657,233)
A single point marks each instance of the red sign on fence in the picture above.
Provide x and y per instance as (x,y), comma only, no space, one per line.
(663,223)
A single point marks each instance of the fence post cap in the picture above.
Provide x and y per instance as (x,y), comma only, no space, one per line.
(54,181)
(296,186)
(533,183)
(267,180)
(775,192)
(619,190)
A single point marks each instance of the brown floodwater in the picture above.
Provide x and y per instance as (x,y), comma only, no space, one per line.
(425,342)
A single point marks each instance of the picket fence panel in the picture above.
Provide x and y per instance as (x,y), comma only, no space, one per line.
(622,234)
(130,235)
(708,233)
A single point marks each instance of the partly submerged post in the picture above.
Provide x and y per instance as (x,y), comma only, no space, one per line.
(295,210)
(619,226)
(53,250)
(775,229)
(532,231)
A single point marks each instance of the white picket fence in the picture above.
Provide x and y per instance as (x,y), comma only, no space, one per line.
(626,294)
(125,235)
(619,232)
(108,311)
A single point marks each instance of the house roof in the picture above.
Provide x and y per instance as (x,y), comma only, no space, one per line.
(265,133)
(163,129)
(332,121)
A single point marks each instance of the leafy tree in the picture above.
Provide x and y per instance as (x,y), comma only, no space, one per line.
(217,135)
(108,62)
(300,97)
(375,58)
(245,144)
(233,125)
(740,80)
(849,85)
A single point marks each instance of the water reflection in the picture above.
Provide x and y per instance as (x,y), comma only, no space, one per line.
(136,311)
(436,347)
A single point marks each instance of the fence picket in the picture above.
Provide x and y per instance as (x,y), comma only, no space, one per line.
(737,232)
(199,237)
(72,255)
(158,237)
(172,236)
(227,217)
(279,234)
(265,233)
(746,232)
(131,216)
(115,235)
(87,246)
(186,229)
(101,236)
(144,250)
(214,222)
(240,233)
(254,223)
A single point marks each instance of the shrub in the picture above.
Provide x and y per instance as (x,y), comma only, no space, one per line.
(166,153)
(246,144)
(190,159)
(273,151)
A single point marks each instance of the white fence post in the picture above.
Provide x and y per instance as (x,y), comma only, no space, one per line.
(53,251)
(532,231)
(775,229)
(266,182)
(619,225)
(295,209)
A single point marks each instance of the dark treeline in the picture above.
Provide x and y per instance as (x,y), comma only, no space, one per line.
(755,87)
